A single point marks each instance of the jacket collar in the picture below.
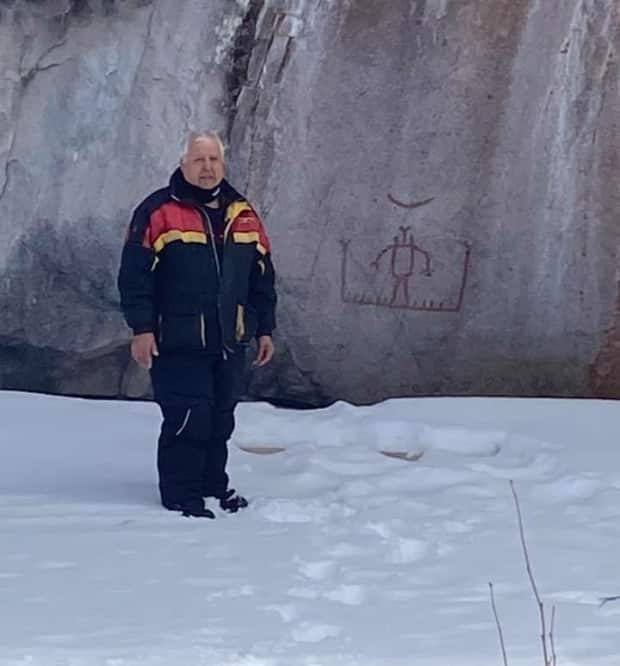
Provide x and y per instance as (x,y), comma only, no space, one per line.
(180,191)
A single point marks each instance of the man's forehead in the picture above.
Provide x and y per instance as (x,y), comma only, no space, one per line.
(203,144)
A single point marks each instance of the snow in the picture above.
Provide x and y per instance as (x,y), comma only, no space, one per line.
(345,557)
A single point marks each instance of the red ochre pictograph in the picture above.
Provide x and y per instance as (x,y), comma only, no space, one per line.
(426,275)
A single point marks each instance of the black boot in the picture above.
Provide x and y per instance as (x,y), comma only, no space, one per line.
(193,508)
(232,502)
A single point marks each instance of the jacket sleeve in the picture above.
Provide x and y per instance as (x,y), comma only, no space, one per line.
(262,292)
(136,277)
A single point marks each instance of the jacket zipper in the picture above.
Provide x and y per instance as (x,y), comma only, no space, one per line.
(218,270)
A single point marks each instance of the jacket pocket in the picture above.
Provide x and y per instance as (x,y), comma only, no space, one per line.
(182,332)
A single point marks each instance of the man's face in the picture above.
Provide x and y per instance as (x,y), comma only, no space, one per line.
(203,165)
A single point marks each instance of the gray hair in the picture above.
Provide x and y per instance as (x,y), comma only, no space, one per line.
(203,134)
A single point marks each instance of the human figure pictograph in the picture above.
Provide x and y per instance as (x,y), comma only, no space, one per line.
(402,263)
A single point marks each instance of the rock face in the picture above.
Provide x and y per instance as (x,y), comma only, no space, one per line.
(96,97)
(439,180)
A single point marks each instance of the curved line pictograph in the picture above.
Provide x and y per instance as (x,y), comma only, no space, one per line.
(411,205)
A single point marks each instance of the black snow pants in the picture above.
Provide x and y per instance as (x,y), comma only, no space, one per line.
(197,394)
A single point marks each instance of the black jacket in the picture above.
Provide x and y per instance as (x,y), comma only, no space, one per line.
(173,283)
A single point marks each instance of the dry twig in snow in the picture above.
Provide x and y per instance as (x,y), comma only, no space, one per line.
(499,626)
(554,659)
(541,609)
(606,600)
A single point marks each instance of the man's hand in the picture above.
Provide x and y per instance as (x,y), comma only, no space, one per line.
(143,348)
(265,351)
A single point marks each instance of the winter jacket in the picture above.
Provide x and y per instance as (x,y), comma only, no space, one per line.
(173,283)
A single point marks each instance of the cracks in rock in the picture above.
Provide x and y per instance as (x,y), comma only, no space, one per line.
(243,49)
(23,80)
(7,166)
(609,63)
(420,9)
(252,46)
(26,79)
(27,76)
(324,236)
(147,39)
(263,48)
(288,52)
(7,171)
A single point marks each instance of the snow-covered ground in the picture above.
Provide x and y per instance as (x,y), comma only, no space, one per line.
(345,557)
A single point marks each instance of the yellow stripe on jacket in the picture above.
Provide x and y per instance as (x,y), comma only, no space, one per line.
(249,237)
(183,236)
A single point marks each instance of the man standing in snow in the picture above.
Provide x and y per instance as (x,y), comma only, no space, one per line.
(197,284)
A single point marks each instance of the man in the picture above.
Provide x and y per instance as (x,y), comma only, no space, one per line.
(197,283)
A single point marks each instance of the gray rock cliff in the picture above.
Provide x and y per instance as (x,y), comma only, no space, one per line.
(439,180)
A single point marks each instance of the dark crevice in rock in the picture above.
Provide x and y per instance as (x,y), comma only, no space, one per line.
(7,172)
(80,8)
(281,394)
(243,46)
(285,403)
(419,11)
(29,76)
(108,7)
(288,53)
